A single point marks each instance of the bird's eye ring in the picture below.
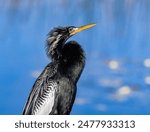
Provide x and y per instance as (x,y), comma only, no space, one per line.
(70,29)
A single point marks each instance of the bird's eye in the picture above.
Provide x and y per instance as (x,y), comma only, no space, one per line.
(70,29)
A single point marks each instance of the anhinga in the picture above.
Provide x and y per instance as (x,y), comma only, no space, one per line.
(55,89)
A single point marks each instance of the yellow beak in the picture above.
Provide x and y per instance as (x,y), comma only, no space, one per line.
(76,30)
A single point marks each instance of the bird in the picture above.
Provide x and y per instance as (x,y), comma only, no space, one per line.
(54,91)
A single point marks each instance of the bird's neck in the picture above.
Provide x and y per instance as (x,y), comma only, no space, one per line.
(54,47)
(72,61)
(68,57)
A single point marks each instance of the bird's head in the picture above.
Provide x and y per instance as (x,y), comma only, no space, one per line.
(58,36)
(63,33)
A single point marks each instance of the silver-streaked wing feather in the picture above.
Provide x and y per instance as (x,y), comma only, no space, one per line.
(46,101)
(43,95)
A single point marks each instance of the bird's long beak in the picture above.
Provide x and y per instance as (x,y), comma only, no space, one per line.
(79,29)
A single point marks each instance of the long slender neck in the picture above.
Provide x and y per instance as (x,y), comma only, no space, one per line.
(73,60)
(54,47)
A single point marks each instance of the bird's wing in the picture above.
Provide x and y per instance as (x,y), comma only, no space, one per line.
(46,100)
(43,97)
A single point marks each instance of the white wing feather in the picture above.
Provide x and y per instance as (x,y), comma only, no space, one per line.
(45,102)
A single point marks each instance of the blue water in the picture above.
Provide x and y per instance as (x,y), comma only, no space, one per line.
(116,78)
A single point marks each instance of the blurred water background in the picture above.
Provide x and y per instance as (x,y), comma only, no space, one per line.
(116,79)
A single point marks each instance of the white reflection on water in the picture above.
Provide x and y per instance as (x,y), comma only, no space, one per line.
(147,62)
(121,93)
(81,101)
(147,80)
(113,64)
(101,107)
(107,82)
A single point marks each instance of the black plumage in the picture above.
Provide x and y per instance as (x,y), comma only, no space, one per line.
(55,89)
